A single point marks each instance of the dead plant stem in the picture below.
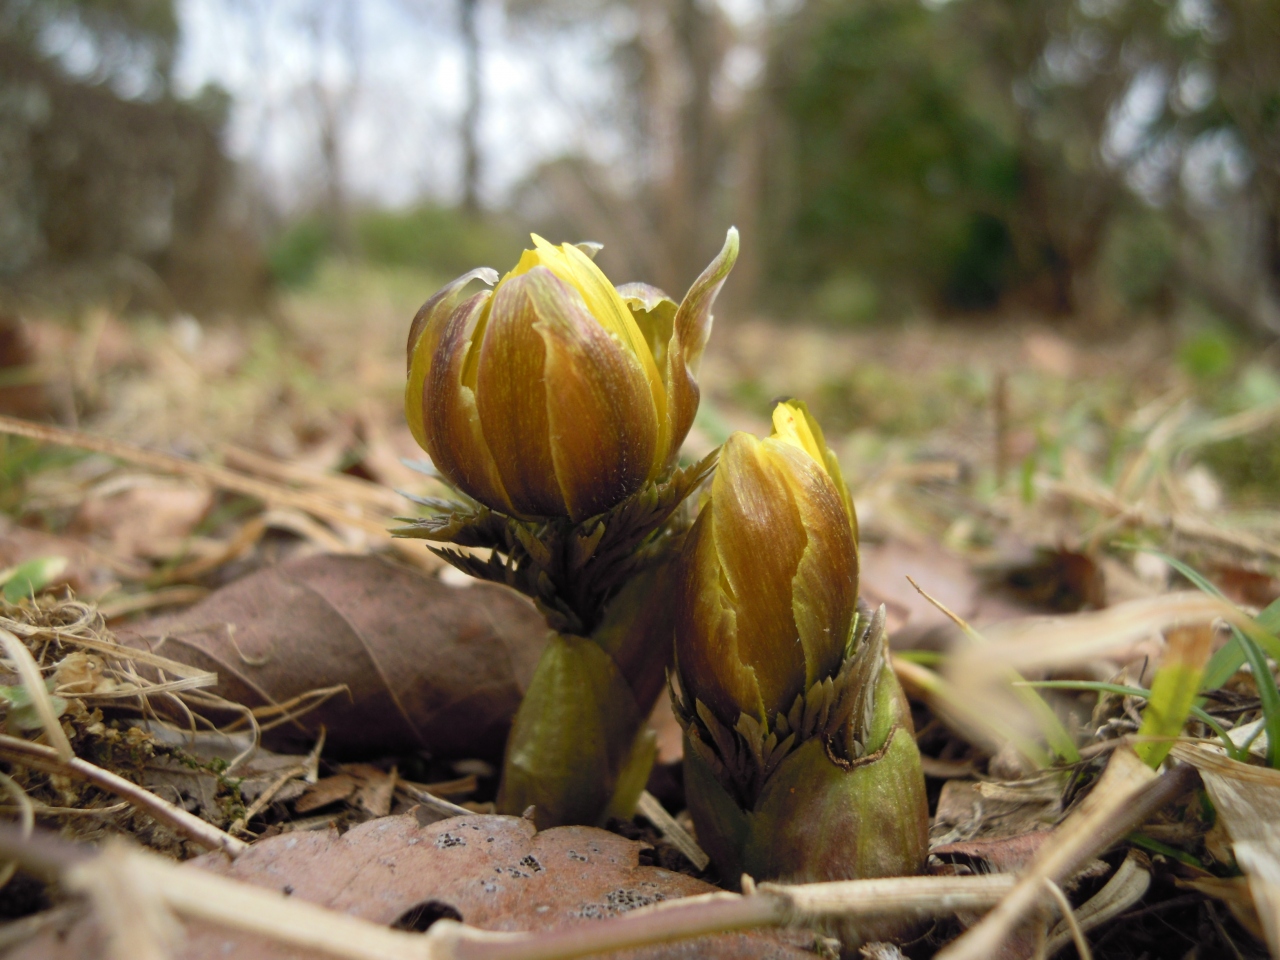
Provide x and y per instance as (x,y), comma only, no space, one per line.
(37,755)
(196,894)
(1124,796)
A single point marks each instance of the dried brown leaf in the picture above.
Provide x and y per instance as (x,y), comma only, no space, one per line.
(142,516)
(326,791)
(428,667)
(492,872)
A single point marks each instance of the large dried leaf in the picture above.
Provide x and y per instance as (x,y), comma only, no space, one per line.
(491,872)
(428,667)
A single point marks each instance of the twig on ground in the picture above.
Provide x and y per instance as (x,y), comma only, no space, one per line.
(1124,796)
(442,809)
(195,894)
(17,750)
(307,769)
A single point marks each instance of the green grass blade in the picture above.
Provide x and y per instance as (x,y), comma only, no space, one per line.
(1268,693)
(1269,619)
(1055,734)
(1173,694)
(1094,686)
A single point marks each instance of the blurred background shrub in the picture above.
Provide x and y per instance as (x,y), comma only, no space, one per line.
(1089,162)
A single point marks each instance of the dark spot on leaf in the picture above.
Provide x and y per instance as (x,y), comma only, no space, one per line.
(447,840)
(422,915)
(531,862)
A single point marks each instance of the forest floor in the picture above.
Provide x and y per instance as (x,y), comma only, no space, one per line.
(1095,512)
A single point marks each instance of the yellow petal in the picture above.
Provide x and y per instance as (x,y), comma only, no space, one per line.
(511,396)
(654,313)
(578,270)
(824,590)
(424,337)
(792,424)
(446,410)
(599,409)
(760,541)
(708,660)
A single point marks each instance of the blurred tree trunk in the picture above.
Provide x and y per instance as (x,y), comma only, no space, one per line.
(333,104)
(682,45)
(471,111)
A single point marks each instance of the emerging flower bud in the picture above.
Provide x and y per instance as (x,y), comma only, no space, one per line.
(800,763)
(557,394)
(770,575)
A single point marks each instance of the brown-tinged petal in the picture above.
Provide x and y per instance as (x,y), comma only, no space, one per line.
(824,588)
(603,425)
(692,326)
(760,541)
(424,337)
(446,409)
(707,656)
(511,395)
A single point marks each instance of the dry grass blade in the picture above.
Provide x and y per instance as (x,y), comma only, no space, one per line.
(1069,918)
(317,505)
(1079,638)
(1056,642)
(340,486)
(442,809)
(1126,793)
(164,597)
(45,758)
(651,808)
(1126,887)
(1258,860)
(307,770)
(1137,515)
(1247,799)
(966,714)
(137,920)
(19,931)
(1046,720)
(29,671)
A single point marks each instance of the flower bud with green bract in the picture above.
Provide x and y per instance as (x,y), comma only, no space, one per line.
(558,403)
(800,761)
(556,394)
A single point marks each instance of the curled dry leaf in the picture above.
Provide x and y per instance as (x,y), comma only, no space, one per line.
(427,667)
(144,517)
(491,872)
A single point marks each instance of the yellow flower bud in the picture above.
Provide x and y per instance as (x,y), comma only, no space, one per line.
(769,580)
(556,394)
(800,763)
